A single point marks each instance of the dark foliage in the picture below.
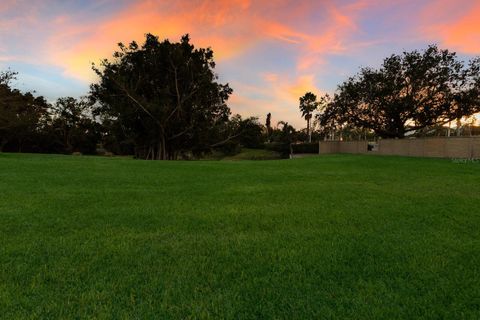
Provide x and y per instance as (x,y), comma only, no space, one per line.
(30,124)
(305,147)
(21,115)
(165,98)
(268,125)
(72,126)
(282,138)
(282,148)
(250,133)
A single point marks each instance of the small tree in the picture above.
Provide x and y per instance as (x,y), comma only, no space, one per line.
(268,125)
(74,126)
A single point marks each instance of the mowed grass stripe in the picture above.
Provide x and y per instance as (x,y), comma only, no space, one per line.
(334,236)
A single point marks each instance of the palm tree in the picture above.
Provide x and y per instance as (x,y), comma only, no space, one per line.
(308,104)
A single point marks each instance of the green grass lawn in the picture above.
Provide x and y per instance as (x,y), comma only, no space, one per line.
(348,237)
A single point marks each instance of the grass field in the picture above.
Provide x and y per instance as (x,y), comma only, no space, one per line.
(348,237)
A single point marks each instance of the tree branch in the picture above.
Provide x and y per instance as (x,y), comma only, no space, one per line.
(136,101)
(226,140)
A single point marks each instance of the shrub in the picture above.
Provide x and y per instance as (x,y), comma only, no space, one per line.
(280,147)
(305,147)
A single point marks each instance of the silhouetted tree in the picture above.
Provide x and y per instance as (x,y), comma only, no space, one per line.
(282,138)
(7,76)
(165,96)
(72,124)
(407,93)
(308,104)
(250,133)
(268,125)
(247,133)
(20,114)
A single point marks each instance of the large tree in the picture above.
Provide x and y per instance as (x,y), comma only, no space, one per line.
(308,104)
(164,95)
(407,93)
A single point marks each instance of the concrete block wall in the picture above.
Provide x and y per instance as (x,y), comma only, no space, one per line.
(438,147)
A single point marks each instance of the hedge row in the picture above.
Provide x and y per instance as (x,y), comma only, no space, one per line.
(305,148)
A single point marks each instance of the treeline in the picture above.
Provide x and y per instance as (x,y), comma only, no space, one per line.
(30,124)
(163,100)
(159,100)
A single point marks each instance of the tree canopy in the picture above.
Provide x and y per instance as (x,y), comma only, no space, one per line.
(165,96)
(407,93)
(163,100)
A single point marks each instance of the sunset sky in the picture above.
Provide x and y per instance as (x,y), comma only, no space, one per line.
(271,52)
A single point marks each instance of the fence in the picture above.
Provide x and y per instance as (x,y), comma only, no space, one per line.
(441,147)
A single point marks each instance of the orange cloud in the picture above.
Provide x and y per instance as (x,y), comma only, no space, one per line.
(276,93)
(281,32)
(464,34)
(230,27)
(302,85)
(455,23)
(208,26)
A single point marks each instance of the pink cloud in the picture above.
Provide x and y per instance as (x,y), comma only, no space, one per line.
(230,27)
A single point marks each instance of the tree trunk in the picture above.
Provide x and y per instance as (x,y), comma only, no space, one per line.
(66,140)
(2,144)
(20,144)
(147,156)
(160,150)
(164,149)
(308,131)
